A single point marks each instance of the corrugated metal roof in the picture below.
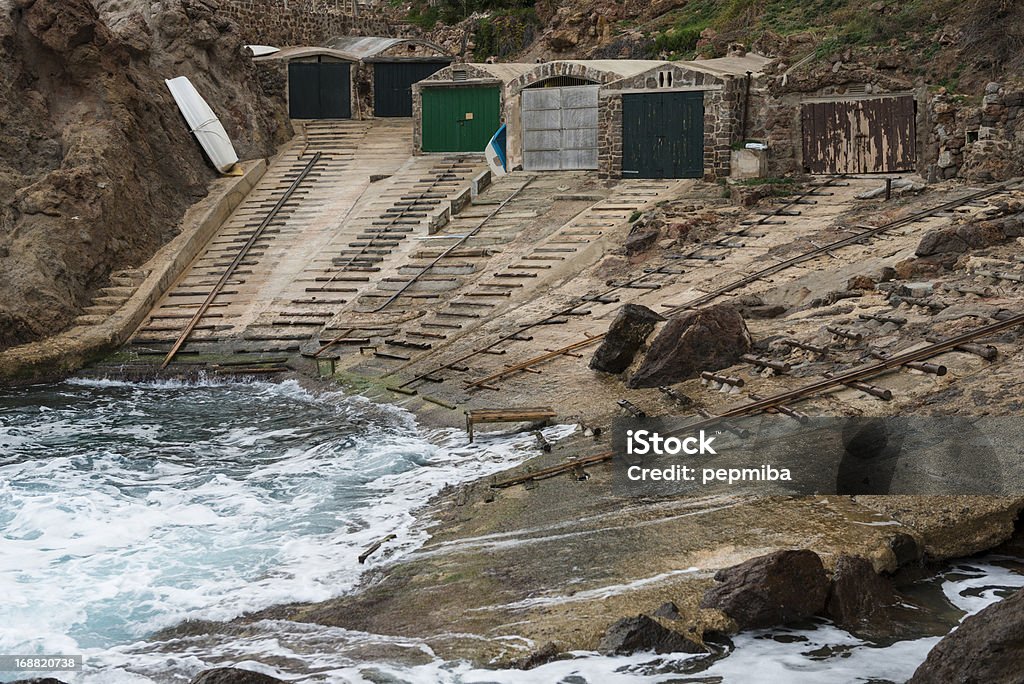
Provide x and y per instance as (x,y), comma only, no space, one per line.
(299,52)
(365,47)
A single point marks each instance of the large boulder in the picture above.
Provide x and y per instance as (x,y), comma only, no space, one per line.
(706,339)
(627,333)
(234,675)
(644,633)
(987,648)
(861,601)
(770,590)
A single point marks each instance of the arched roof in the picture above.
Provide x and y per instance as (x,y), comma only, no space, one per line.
(369,47)
(290,53)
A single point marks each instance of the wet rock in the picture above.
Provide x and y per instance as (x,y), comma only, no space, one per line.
(706,339)
(987,648)
(860,600)
(234,675)
(770,590)
(641,240)
(44,680)
(905,549)
(942,241)
(631,327)
(542,656)
(644,633)
(667,610)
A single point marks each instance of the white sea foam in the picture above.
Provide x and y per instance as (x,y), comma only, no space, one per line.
(129,507)
(125,508)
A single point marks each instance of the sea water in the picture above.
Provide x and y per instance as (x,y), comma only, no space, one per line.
(126,508)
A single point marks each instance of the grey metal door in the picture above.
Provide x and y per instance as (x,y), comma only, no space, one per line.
(560,128)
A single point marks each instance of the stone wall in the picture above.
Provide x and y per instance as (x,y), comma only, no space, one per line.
(977,141)
(775,111)
(303,22)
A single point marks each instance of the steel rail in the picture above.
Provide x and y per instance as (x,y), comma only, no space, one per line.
(837,244)
(790,396)
(201,311)
(461,241)
(862,373)
(754,277)
(530,326)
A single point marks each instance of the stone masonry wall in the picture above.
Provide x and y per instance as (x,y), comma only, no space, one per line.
(302,22)
(977,141)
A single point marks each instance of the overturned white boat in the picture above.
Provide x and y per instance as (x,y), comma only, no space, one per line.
(203,123)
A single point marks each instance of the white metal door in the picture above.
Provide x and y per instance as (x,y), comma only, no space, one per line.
(560,128)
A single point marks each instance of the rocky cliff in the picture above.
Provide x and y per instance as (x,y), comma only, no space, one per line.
(96,164)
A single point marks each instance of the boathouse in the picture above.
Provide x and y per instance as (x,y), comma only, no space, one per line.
(460,107)
(354,77)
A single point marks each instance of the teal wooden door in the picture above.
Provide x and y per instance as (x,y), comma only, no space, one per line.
(459,119)
(663,135)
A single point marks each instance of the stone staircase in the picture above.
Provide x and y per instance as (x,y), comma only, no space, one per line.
(123,285)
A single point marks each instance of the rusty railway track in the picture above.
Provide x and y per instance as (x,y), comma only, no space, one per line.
(230,270)
(458,243)
(732,286)
(661,270)
(783,401)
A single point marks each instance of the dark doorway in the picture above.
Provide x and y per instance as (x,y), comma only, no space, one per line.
(392,85)
(663,135)
(319,89)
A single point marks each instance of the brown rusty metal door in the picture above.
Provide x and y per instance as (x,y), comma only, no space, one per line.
(870,135)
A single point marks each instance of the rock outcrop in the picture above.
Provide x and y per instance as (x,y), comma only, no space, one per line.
(233,675)
(706,339)
(987,648)
(96,163)
(959,239)
(627,333)
(770,590)
(861,601)
(644,633)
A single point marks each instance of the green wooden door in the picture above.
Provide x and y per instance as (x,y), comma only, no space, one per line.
(663,135)
(459,119)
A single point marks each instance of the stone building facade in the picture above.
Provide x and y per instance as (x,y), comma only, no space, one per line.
(304,22)
(722,112)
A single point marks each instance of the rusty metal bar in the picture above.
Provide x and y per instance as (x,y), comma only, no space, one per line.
(512,370)
(805,346)
(845,333)
(230,270)
(722,379)
(766,363)
(458,243)
(632,408)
